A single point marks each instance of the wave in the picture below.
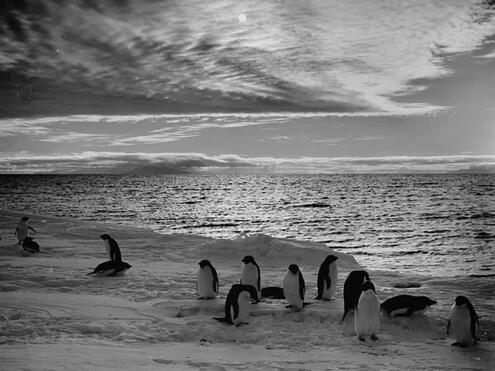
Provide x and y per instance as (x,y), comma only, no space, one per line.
(313,204)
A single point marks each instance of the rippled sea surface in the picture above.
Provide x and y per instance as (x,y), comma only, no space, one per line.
(437,225)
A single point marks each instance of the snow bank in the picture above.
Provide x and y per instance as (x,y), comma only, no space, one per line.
(150,318)
(274,251)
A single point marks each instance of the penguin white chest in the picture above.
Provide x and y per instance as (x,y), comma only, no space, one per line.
(367,315)
(460,324)
(243,304)
(291,290)
(249,275)
(106,245)
(205,283)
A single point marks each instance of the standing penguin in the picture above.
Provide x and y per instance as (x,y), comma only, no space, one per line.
(112,248)
(353,287)
(250,273)
(367,314)
(294,287)
(327,278)
(207,284)
(237,304)
(463,321)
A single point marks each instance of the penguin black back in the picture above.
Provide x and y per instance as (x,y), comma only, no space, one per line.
(323,275)
(206,263)
(115,254)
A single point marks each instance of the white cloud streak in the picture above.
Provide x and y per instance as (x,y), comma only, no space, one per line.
(109,162)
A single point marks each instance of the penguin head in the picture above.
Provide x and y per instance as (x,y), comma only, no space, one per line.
(461,300)
(330,259)
(105,237)
(204,263)
(293,268)
(29,238)
(368,285)
(247,259)
(24,219)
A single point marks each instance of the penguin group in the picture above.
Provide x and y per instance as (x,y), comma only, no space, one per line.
(359,295)
(22,233)
(359,292)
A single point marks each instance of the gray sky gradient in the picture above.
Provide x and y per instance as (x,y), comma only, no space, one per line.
(277,85)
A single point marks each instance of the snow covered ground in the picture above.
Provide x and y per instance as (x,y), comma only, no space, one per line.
(54,317)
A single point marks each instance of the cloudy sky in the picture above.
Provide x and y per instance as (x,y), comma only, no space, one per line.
(247,86)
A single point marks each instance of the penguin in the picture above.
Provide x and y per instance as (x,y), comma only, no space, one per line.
(207,283)
(463,322)
(327,278)
(406,305)
(110,268)
(353,287)
(250,273)
(29,245)
(367,314)
(22,229)
(115,265)
(272,292)
(112,247)
(237,304)
(294,287)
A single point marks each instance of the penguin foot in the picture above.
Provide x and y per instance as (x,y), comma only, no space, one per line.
(457,344)
(374,337)
(361,338)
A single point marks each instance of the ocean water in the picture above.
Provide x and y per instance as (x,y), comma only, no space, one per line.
(433,225)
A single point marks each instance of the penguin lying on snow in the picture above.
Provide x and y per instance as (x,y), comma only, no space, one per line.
(463,322)
(207,284)
(327,278)
(272,292)
(353,287)
(406,305)
(237,304)
(367,313)
(110,268)
(29,245)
